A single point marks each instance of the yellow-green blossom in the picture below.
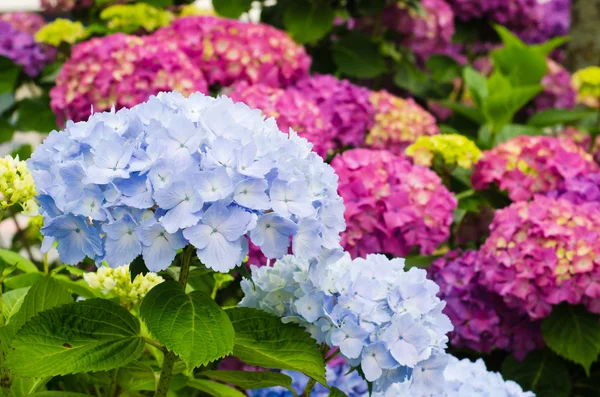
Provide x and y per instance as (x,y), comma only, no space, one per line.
(118,283)
(587,83)
(192,10)
(61,31)
(16,185)
(453,149)
(132,17)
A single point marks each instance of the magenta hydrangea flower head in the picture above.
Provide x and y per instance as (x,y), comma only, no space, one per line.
(481,319)
(398,122)
(121,71)
(392,205)
(21,48)
(29,22)
(527,165)
(291,109)
(229,51)
(544,252)
(555,21)
(425,34)
(516,15)
(584,188)
(346,106)
(558,90)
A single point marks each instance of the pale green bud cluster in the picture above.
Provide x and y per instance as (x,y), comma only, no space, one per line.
(16,185)
(118,283)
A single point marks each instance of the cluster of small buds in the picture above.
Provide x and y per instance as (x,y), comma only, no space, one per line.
(175,171)
(587,83)
(398,122)
(16,185)
(383,318)
(527,165)
(542,253)
(392,205)
(20,47)
(466,378)
(452,149)
(230,51)
(427,32)
(292,110)
(61,31)
(345,105)
(28,22)
(118,282)
(120,71)
(481,319)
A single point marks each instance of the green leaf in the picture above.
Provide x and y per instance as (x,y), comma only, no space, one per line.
(500,107)
(587,386)
(24,152)
(35,114)
(508,38)
(7,130)
(214,388)
(12,301)
(308,21)
(356,55)
(541,372)
(469,112)
(476,84)
(45,294)
(546,48)
(137,376)
(573,333)
(411,78)
(10,74)
(10,259)
(335,392)
(231,8)
(23,280)
(79,287)
(443,68)
(91,335)
(7,99)
(192,325)
(25,387)
(420,261)
(550,117)
(250,380)
(514,130)
(58,394)
(138,266)
(261,339)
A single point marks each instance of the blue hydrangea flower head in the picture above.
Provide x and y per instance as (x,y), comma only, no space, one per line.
(175,171)
(383,318)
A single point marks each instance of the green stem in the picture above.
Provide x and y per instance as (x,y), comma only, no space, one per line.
(154,343)
(113,387)
(332,356)
(1,308)
(170,357)
(21,235)
(46,267)
(309,386)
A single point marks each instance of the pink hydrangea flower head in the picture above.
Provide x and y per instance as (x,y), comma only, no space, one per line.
(527,165)
(229,51)
(398,122)
(584,188)
(122,71)
(481,319)
(544,252)
(28,22)
(580,137)
(21,48)
(558,90)
(290,109)
(392,205)
(425,34)
(346,106)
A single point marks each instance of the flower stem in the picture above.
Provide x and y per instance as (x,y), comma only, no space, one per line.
(170,357)
(309,386)
(21,235)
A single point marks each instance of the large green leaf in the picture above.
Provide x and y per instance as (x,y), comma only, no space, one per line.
(501,106)
(215,389)
(35,114)
(510,131)
(546,48)
(10,260)
(192,325)
(522,65)
(550,117)
(12,301)
(137,376)
(91,335)
(473,114)
(476,84)
(22,280)
(308,21)
(573,333)
(356,55)
(261,339)
(443,68)
(231,8)
(541,372)
(335,392)
(45,294)
(250,380)
(25,386)
(10,74)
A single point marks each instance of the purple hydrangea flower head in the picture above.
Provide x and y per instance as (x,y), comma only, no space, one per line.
(544,252)
(291,109)
(527,165)
(555,21)
(382,317)
(584,188)
(558,90)
(346,106)
(121,71)
(392,206)
(481,319)
(230,51)
(20,47)
(28,22)
(516,15)
(174,171)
